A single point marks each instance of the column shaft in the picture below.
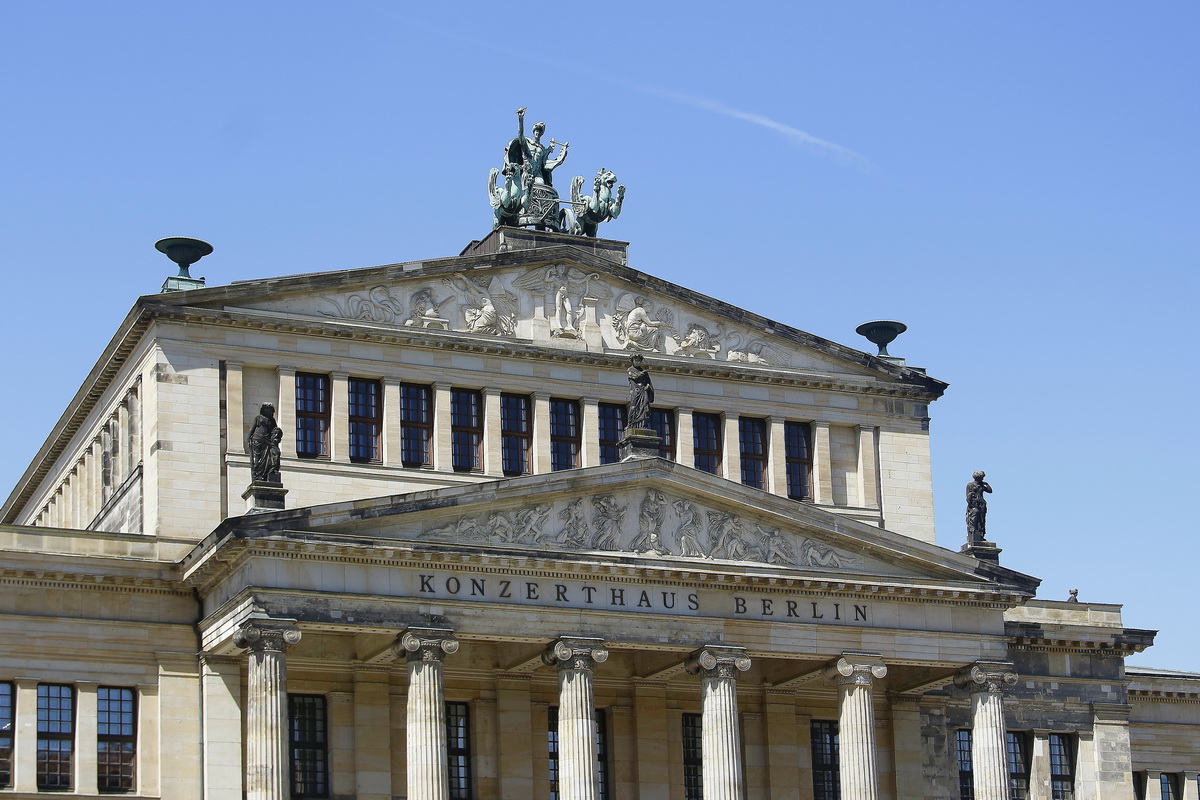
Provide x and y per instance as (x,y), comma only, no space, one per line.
(426,718)
(855,674)
(720,742)
(267,767)
(989,744)
(578,774)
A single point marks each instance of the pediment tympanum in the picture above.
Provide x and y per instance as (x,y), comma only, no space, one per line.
(558,304)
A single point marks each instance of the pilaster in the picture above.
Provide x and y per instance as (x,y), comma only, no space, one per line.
(685,437)
(718,666)
(25,738)
(221,691)
(576,658)
(493,444)
(782,745)
(822,463)
(391,422)
(868,467)
(442,445)
(589,447)
(514,744)
(285,413)
(372,734)
(776,457)
(989,745)
(731,449)
(85,737)
(339,417)
(235,424)
(855,675)
(541,432)
(653,739)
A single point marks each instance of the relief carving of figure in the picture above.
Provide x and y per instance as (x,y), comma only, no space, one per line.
(817,556)
(490,309)
(776,548)
(602,205)
(634,328)
(650,518)
(377,305)
(425,311)
(698,342)
(754,351)
(641,392)
(977,508)
(607,521)
(263,446)
(725,531)
(463,529)
(689,530)
(569,288)
(529,523)
(575,527)
(500,527)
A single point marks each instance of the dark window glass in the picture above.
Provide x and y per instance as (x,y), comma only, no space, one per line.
(6,733)
(458,750)
(116,739)
(706,432)
(1062,767)
(466,430)
(612,423)
(1168,786)
(564,434)
(366,420)
(516,433)
(55,736)
(693,757)
(962,746)
(752,443)
(662,422)
(308,742)
(827,783)
(601,752)
(797,438)
(416,425)
(1018,764)
(312,415)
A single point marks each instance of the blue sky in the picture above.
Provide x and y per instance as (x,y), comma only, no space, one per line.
(1015,181)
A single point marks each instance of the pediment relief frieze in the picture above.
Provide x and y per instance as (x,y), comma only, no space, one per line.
(560,305)
(647,522)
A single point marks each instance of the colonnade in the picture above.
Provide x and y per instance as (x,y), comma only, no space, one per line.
(576,658)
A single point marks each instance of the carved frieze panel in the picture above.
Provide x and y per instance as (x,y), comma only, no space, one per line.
(648,522)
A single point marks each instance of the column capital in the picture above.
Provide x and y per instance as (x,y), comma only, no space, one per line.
(575,652)
(266,635)
(857,669)
(718,661)
(425,644)
(987,676)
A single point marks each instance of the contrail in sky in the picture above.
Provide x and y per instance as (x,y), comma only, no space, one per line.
(793,135)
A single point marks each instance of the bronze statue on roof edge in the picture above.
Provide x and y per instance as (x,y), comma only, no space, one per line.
(527,197)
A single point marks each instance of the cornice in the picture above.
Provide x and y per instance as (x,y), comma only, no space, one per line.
(1096,647)
(229,554)
(90,581)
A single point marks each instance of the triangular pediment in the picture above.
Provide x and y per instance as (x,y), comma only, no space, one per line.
(650,512)
(557,298)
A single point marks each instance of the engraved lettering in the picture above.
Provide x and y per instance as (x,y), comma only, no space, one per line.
(668,599)
(617,597)
(560,593)
(815,615)
(426,584)
(531,591)
(837,610)
(644,601)
(589,590)
(739,605)
(792,608)
(504,592)
(766,606)
(860,613)
(453,585)
(693,602)
(477,586)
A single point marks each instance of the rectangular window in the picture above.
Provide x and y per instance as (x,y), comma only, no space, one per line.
(116,739)
(797,438)
(416,425)
(458,750)
(827,784)
(612,423)
(312,415)
(962,748)
(752,443)
(6,733)
(693,757)
(662,422)
(366,420)
(308,745)
(1018,764)
(466,430)
(706,433)
(1062,767)
(55,736)
(1168,786)
(516,433)
(564,434)
(601,752)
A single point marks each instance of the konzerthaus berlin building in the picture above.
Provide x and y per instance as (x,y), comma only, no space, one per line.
(470,587)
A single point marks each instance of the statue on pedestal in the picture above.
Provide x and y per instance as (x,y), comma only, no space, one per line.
(263,445)
(977,508)
(641,392)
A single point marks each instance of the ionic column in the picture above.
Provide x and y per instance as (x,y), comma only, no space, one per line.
(720,743)
(989,759)
(266,641)
(855,675)
(576,658)
(426,718)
